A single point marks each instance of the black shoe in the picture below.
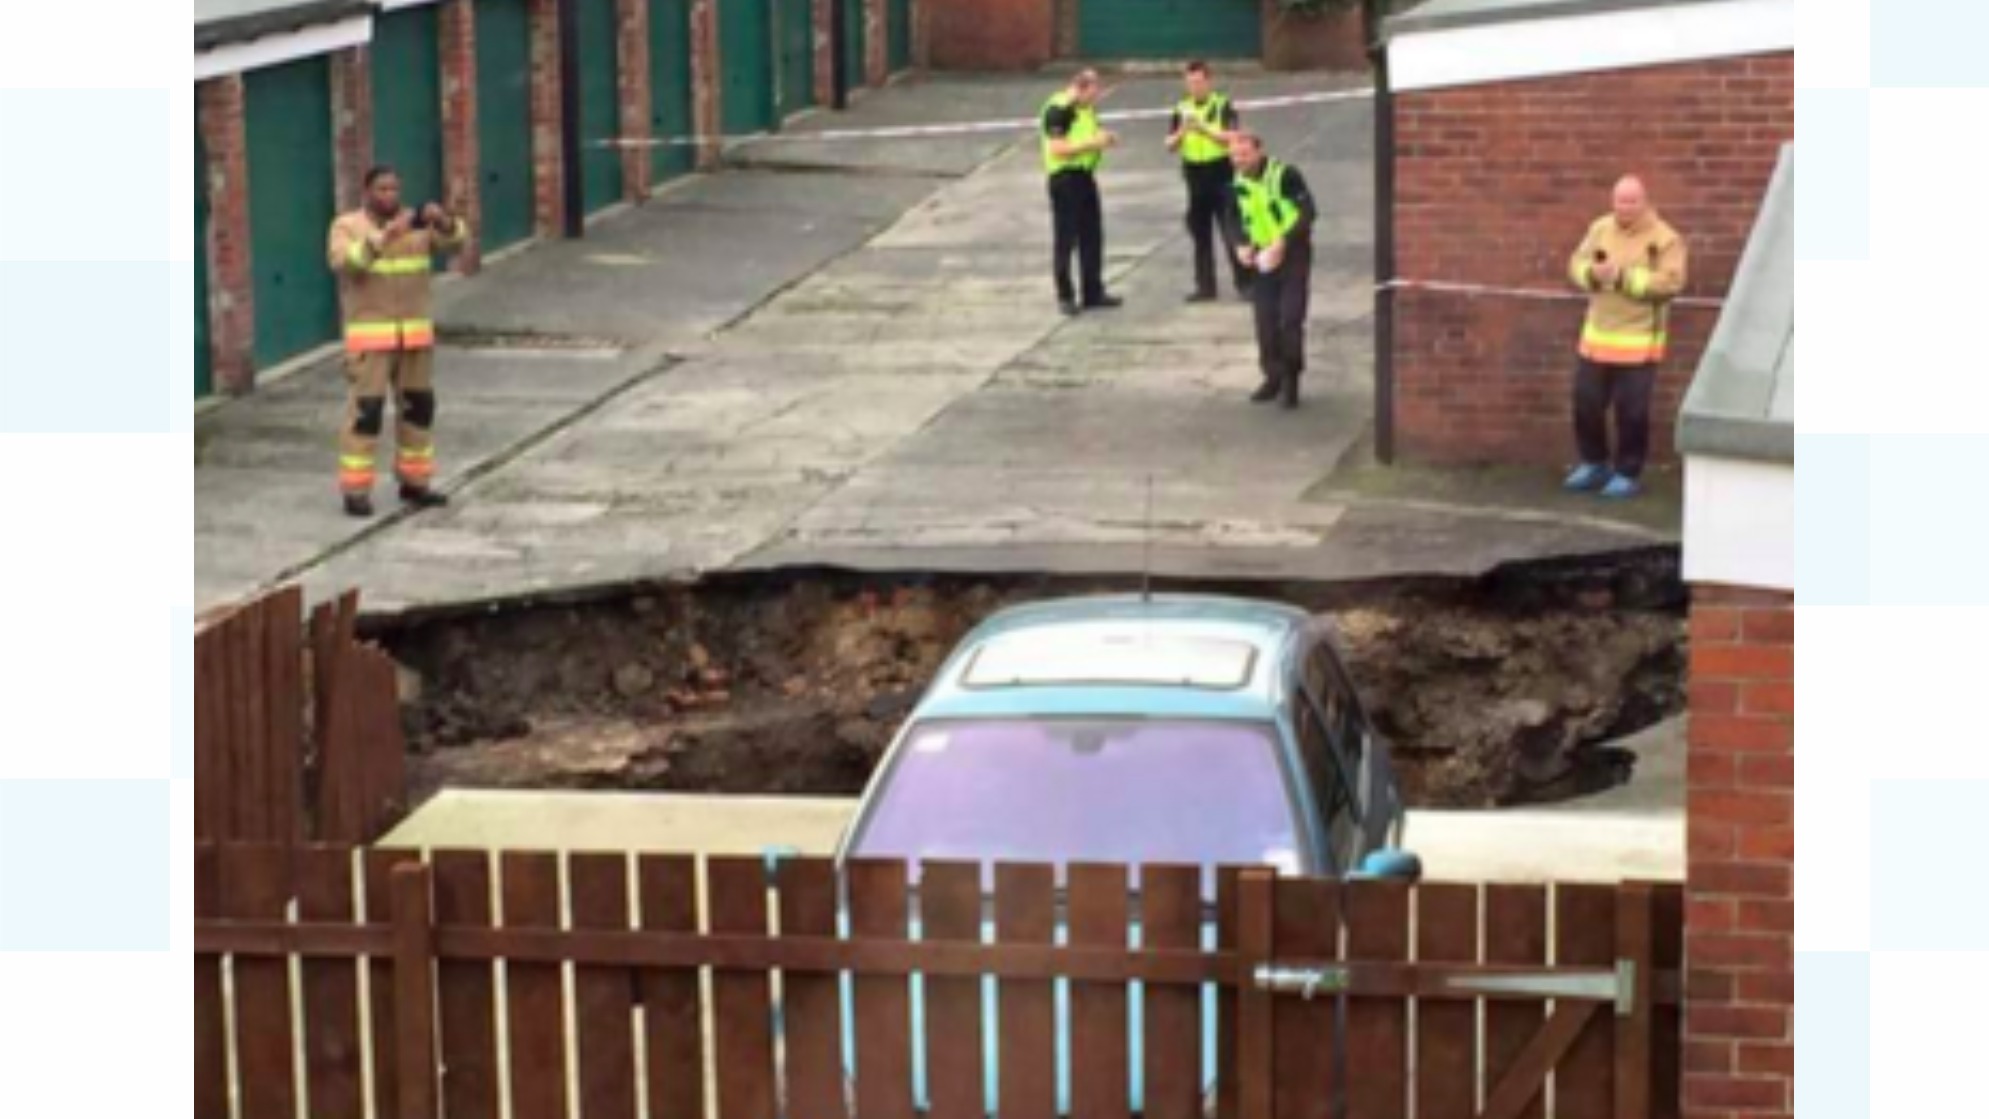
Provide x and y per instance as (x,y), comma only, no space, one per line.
(1290,395)
(358,505)
(421,497)
(1266,392)
(1069,308)
(1200,297)
(1104,303)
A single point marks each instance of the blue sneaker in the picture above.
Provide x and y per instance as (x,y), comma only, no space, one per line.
(1622,487)
(1586,477)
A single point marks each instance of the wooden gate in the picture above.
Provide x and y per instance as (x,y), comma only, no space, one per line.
(661,986)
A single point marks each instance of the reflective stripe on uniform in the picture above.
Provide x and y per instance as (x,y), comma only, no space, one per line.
(356,253)
(401,266)
(1578,272)
(1637,282)
(417,334)
(1622,347)
(376,337)
(355,472)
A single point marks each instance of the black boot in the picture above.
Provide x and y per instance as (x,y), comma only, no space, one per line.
(359,505)
(1266,392)
(421,497)
(1290,393)
(1104,303)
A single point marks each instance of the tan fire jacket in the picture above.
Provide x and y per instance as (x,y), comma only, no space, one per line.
(383,283)
(1628,319)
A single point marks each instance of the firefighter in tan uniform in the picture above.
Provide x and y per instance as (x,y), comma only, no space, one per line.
(383,254)
(1632,265)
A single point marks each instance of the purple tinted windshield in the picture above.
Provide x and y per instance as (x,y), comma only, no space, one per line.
(1119,791)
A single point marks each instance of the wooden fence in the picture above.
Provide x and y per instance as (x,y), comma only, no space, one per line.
(296,730)
(1367,1000)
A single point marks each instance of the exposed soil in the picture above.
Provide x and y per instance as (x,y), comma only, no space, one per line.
(1494,692)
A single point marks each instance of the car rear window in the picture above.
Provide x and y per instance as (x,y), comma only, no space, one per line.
(1110,654)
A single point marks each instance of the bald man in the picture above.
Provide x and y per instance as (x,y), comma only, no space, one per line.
(1632,265)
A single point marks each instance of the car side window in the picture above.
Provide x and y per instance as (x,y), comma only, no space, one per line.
(1338,808)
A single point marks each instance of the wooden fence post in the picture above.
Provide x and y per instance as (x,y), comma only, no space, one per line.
(1255,1044)
(1635,953)
(414,991)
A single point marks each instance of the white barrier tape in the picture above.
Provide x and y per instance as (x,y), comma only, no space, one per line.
(1447,288)
(964,128)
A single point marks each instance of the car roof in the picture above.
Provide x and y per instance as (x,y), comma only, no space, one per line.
(1184,656)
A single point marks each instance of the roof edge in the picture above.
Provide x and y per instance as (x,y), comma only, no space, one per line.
(230,30)
(1419,19)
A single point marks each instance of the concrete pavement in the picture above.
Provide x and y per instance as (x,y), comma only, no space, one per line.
(848,354)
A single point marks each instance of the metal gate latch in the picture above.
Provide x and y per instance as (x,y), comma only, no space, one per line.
(1306,982)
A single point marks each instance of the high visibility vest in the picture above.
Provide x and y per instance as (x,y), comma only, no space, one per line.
(1083,128)
(1197,147)
(1267,214)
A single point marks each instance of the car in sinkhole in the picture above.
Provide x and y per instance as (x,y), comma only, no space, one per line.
(1158,730)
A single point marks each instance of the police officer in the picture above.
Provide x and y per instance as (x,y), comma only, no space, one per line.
(1200,131)
(1073,147)
(1274,213)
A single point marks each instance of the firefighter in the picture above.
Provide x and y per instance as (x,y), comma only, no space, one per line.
(1274,212)
(383,253)
(1632,265)
(1073,147)
(1199,132)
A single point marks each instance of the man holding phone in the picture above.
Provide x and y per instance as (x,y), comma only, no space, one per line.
(1274,212)
(383,254)
(1632,265)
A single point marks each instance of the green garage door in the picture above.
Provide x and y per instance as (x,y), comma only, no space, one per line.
(600,106)
(504,121)
(291,204)
(853,68)
(203,357)
(745,49)
(797,56)
(900,27)
(670,86)
(407,101)
(1169,29)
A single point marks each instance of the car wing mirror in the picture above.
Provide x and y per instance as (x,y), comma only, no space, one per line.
(777,855)
(1391,865)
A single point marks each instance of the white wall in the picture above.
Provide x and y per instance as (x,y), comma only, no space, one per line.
(1740,523)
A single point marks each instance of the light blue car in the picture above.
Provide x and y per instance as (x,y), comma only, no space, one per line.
(1183,730)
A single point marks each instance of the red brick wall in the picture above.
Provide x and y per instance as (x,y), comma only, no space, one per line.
(352,123)
(876,43)
(1333,40)
(231,312)
(1495,185)
(1741,853)
(990,34)
(820,14)
(548,164)
(457,30)
(704,79)
(632,65)
(922,34)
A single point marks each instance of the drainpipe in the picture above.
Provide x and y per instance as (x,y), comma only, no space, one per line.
(838,66)
(574,217)
(1384,236)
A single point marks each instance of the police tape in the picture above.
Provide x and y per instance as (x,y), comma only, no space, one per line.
(963,128)
(1443,287)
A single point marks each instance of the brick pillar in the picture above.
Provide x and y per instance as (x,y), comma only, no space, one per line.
(876,44)
(1064,35)
(632,64)
(456,25)
(548,168)
(922,34)
(352,123)
(706,110)
(231,307)
(820,13)
(1741,853)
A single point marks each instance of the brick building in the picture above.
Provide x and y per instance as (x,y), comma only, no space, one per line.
(1510,121)
(294,99)
(1737,433)
(1026,34)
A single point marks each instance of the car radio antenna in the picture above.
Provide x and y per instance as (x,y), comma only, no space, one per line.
(1146,558)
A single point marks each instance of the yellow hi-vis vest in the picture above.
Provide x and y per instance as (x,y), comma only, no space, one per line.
(1267,214)
(1197,147)
(1083,127)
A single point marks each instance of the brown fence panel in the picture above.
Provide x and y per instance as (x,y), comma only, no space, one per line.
(672,1002)
(255,886)
(1101,1056)
(213,756)
(1378,1029)
(332,1048)
(1668,1024)
(742,999)
(1171,918)
(536,1002)
(956,1073)
(1632,1043)
(1025,913)
(210,1025)
(382,752)
(1447,1029)
(379,867)
(1515,934)
(1585,936)
(1306,927)
(812,1003)
(466,988)
(878,911)
(604,997)
(282,734)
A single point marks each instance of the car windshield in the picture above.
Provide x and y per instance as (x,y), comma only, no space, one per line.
(1097,790)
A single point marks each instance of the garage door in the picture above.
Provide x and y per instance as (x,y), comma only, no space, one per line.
(670,86)
(600,108)
(796,32)
(504,121)
(853,68)
(1169,29)
(900,27)
(745,49)
(291,204)
(407,101)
